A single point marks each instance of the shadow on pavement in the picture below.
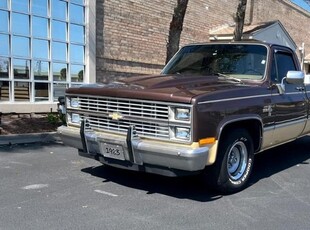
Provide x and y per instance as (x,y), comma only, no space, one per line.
(281,158)
(194,187)
(188,187)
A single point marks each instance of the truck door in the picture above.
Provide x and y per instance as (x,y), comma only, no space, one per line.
(289,108)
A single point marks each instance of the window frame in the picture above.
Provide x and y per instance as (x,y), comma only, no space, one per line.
(274,69)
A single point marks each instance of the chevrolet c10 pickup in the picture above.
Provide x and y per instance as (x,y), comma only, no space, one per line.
(212,108)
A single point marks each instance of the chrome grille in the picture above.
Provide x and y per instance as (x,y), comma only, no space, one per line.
(151,119)
(132,108)
(145,129)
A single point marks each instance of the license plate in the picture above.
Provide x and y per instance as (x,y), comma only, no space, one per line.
(112,151)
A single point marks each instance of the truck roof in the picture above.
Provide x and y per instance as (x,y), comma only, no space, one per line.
(238,42)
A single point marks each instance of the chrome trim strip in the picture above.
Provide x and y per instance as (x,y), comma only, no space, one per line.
(234,98)
(243,98)
(130,99)
(266,129)
(290,122)
(286,93)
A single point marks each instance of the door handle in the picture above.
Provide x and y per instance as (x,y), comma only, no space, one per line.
(300,88)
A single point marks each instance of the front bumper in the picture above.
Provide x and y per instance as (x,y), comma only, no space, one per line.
(139,154)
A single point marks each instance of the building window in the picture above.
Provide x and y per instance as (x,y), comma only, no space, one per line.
(59,31)
(59,71)
(42,48)
(21,91)
(4,67)
(39,7)
(59,9)
(4,21)
(21,69)
(40,70)
(42,23)
(4,47)
(3,4)
(20,5)
(20,24)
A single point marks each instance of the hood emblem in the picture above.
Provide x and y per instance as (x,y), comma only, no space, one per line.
(115,116)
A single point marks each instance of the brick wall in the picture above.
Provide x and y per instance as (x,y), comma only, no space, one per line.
(134,37)
(132,34)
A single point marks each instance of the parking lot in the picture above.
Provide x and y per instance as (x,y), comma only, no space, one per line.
(48,186)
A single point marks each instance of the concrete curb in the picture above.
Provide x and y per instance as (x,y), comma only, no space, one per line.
(29,138)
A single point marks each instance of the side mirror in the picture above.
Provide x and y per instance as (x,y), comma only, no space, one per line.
(292,77)
(295,77)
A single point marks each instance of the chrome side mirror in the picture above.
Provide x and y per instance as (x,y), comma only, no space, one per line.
(292,77)
(295,77)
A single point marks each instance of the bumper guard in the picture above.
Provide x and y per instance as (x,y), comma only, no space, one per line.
(140,154)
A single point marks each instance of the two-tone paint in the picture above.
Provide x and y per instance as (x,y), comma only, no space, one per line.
(219,105)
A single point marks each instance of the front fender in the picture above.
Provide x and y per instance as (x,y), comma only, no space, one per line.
(251,122)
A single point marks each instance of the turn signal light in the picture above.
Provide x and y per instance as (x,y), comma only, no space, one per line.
(207,141)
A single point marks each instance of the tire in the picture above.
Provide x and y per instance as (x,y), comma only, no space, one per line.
(234,162)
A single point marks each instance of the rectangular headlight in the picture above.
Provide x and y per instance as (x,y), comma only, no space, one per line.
(74,102)
(182,114)
(75,118)
(182,133)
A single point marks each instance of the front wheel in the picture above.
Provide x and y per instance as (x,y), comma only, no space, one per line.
(234,162)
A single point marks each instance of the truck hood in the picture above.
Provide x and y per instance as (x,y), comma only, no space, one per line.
(173,88)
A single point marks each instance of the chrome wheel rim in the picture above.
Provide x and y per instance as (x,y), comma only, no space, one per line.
(237,160)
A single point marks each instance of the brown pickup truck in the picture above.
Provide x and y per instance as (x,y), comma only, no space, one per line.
(213,107)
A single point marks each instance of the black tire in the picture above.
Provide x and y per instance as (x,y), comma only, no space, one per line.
(234,162)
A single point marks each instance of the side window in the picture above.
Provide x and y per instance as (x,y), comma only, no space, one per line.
(274,72)
(282,62)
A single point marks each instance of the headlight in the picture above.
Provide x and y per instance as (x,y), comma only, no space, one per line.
(75,118)
(182,133)
(74,102)
(182,114)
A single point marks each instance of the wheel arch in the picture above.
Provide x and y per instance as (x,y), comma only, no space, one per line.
(253,124)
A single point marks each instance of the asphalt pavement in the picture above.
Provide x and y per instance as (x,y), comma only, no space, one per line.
(48,186)
(28,138)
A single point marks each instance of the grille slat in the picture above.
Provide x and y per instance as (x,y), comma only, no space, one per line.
(129,108)
(142,129)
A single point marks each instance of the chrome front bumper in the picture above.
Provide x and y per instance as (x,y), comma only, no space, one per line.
(139,154)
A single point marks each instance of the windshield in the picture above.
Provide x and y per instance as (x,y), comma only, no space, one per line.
(233,60)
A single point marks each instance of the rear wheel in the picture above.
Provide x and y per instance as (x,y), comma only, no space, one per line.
(234,163)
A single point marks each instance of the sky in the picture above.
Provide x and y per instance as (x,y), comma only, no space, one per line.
(302,4)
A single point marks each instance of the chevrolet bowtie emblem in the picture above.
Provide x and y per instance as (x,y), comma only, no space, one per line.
(115,116)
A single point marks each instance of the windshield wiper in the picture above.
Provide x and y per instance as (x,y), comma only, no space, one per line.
(228,77)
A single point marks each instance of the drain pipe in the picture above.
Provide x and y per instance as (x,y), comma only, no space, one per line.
(302,55)
(251,13)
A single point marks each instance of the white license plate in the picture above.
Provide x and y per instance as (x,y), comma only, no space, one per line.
(112,151)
